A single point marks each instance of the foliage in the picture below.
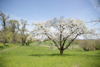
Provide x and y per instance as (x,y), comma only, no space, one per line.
(3,23)
(11,31)
(13,27)
(29,39)
(23,31)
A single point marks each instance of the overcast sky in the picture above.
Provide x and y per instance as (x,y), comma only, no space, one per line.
(42,10)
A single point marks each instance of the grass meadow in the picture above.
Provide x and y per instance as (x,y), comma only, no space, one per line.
(40,56)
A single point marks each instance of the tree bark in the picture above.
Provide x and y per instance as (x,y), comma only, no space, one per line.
(22,42)
(4,44)
(61,52)
(13,41)
(4,41)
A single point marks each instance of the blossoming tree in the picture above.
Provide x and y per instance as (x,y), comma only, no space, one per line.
(60,30)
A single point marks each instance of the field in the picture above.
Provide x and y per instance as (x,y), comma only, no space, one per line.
(41,56)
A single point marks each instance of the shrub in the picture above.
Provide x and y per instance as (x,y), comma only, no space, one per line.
(97,46)
(87,45)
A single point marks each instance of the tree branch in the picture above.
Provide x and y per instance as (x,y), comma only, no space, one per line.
(67,38)
(71,41)
(50,38)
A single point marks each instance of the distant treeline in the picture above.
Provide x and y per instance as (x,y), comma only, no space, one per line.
(13,31)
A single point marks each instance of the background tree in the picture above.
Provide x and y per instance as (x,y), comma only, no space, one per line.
(60,30)
(13,28)
(3,19)
(23,31)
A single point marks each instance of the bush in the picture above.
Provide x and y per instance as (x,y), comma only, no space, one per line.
(97,42)
(83,44)
(87,45)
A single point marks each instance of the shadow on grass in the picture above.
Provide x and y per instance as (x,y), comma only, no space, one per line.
(1,47)
(64,55)
(39,55)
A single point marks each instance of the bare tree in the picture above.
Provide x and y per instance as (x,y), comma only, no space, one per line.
(60,30)
(98,3)
(98,19)
(3,19)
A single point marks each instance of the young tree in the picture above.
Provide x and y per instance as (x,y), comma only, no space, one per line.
(13,28)
(3,19)
(60,30)
(23,31)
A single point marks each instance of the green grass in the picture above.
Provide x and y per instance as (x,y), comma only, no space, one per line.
(7,45)
(38,56)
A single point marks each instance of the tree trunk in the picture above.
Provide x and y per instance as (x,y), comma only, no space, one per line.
(4,41)
(13,41)
(61,52)
(22,42)
(4,44)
